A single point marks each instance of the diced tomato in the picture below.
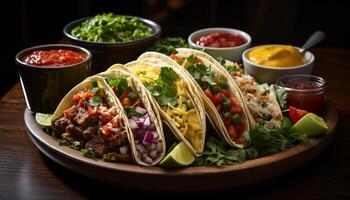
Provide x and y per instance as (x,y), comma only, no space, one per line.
(67,112)
(81,103)
(92,110)
(218,107)
(232,132)
(235,109)
(239,129)
(295,114)
(88,95)
(239,140)
(217,98)
(184,63)
(105,118)
(227,122)
(125,94)
(174,57)
(115,123)
(208,93)
(106,131)
(197,60)
(76,98)
(126,102)
(225,92)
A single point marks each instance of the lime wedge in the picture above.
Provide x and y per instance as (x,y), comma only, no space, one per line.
(180,156)
(43,119)
(311,125)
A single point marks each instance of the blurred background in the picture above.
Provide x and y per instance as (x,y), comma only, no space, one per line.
(29,23)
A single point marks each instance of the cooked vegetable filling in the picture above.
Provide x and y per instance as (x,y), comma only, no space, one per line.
(217,90)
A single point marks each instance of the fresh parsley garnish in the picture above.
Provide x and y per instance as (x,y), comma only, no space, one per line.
(281,95)
(95,101)
(168,45)
(131,111)
(164,89)
(88,153)
(120,83)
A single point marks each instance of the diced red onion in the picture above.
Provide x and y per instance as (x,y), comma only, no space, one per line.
(133,124)
(140,135)
(151,127)
(147,122)
(148,160)
(153,146)
(140,122)
(153,154)
(148,137)
(140,110)
(123,150)
(140,148)
(155,135)
(135,118)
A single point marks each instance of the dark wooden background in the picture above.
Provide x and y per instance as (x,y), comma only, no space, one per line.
(25,173)
(28,23)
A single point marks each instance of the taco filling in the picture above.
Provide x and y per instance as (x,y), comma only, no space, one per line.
(169,91)
(217,90)
(93,124)
(148,143)
(260,98)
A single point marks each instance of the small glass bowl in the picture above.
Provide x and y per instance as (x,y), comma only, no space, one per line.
(306,92)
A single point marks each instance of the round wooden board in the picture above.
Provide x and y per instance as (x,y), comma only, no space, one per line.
(186,179)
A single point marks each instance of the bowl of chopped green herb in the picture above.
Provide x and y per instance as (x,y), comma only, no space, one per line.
(112,38)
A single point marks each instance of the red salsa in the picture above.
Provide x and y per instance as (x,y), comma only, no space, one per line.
(220,40)
(307,95)
(54,58)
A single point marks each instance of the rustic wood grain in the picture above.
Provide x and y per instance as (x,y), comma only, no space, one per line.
(25,173)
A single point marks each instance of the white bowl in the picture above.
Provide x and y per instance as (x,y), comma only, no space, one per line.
(230,53)
(265,74)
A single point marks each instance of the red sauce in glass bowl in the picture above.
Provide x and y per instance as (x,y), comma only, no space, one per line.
(58,57)
(304,91)
(220,40)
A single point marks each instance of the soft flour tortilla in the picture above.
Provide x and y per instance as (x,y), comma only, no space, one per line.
(195,100)
(148,104)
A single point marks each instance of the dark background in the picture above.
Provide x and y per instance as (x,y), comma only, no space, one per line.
(29,23)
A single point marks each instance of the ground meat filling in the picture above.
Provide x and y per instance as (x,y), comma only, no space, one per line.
(94,125)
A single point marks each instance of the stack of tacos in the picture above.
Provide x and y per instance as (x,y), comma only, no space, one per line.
(222,98)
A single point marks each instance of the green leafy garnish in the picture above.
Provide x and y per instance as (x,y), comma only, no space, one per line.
(168,45)
(131,111)
(63,142)
(228,66)
(281,95)
(109,157)
(218,152)
(132,95)
(88,153)
(120,83)
(109,28)
(164,89)
(77,145)
(95,101)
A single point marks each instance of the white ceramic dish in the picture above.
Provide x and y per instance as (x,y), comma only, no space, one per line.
(229,53)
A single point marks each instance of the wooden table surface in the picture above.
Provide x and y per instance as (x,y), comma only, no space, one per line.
(25,173)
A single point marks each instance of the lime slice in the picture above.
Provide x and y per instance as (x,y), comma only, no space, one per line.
(180,156)
(43,119)
(311,125)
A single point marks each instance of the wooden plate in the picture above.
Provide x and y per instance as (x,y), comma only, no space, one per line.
(187,179)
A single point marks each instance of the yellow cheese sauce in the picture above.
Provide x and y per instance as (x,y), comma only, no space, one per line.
(276,56)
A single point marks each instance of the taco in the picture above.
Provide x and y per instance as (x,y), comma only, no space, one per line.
(223,101)
(147,138)
(179,107)
(89,117)
(261,99)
